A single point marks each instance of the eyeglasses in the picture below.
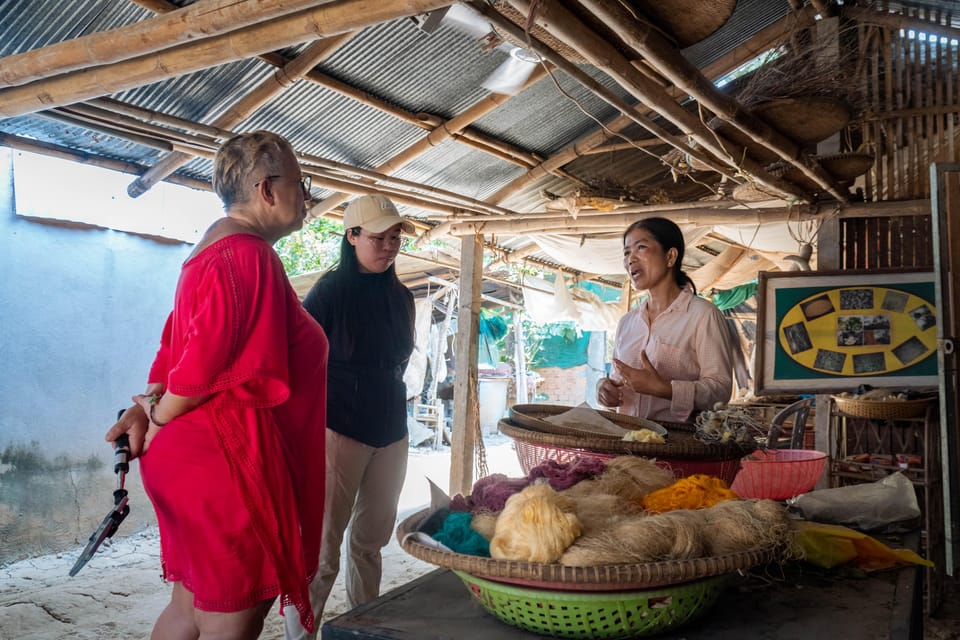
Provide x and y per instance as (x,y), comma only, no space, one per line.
(305,183)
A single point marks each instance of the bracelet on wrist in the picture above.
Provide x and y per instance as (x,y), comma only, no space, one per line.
(153,406)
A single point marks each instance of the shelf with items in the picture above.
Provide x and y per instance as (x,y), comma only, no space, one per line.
(869,449)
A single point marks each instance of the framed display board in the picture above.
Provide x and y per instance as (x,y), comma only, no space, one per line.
(828,332)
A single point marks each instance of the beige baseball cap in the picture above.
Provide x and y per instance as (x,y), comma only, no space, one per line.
(375,214)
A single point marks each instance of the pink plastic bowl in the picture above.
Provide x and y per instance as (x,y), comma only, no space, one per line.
(778,474)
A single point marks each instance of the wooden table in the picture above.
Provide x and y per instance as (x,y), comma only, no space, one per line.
(796,602)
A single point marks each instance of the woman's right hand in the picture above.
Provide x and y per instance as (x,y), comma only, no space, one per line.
(133,422)
(610,392)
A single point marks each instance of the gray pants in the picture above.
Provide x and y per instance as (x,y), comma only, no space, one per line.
(363,486)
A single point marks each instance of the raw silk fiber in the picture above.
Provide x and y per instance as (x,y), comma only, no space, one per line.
(693,492)
(537,525)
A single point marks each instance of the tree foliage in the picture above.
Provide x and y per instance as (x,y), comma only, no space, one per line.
(316,247)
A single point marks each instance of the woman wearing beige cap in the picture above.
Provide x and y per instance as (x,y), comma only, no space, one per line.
(368,317)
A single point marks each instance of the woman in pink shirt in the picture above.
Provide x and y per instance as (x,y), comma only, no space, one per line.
(672,354)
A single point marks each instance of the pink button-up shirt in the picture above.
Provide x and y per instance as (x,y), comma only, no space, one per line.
(689,345)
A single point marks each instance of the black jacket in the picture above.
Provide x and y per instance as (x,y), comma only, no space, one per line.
(370,326)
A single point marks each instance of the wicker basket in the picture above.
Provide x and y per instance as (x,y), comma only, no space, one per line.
(534,416)
(601,615)
(613,577)
(682,453)
(882,409)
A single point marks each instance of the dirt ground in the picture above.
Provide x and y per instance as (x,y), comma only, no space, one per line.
(119,594)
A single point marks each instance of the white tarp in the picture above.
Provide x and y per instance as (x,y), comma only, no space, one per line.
(579,306)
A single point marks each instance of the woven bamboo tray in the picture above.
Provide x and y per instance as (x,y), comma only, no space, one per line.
(533,416)
(614,577)
(882,409)
(680,443)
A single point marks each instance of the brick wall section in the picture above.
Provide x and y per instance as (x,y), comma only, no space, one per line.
(564,386)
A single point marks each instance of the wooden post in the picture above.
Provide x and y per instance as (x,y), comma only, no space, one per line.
(466,410)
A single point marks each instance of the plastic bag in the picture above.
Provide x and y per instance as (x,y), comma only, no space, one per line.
(830,545)
(867,507)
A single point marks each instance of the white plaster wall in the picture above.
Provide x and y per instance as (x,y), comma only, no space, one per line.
(81,311)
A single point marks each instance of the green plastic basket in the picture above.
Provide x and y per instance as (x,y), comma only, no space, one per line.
(610,615)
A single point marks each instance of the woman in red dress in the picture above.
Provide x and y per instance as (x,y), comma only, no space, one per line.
(230,431)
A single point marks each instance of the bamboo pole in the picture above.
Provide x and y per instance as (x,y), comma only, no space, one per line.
(896,22)
(361,180)
(631,111)
(563,25)
(64,153)
(667,60)
(200,20)
(757,44)
(427,121)
(269,87)
(432,139)
(619,221)
(326,20)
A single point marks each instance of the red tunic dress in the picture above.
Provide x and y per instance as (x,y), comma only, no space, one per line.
(237,483)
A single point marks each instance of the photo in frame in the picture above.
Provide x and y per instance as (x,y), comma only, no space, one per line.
(829,332)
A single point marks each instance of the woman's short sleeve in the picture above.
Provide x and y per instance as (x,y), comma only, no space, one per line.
(230,317)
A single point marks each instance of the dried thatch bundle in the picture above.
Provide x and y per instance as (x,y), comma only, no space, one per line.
(629,477)
(536,525)
(806,67)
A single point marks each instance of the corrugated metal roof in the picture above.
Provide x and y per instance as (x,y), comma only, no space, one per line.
(438,73)
(749,17)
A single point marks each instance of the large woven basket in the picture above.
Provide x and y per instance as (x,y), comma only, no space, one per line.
(534,416)
(682,453)
(882,409)
(612,577)
(596,615)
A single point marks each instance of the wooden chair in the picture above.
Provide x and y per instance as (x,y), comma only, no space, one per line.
(799,411)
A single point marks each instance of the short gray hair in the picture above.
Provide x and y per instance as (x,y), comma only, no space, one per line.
(243,160)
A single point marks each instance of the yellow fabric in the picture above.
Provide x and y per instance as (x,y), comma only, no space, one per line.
(693,492)
(831,545)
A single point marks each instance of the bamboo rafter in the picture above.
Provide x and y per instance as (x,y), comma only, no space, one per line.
(667,60)
(563,25)
(757,44)
(290,30)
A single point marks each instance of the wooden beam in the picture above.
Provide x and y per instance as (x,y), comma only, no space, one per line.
(660,54)
(896,22)
(566,27)
(634,112)
(64,153)
(466,414)
(444,132)
(325,20)
(271,86)
(762,41)
(200,20)
(609,222)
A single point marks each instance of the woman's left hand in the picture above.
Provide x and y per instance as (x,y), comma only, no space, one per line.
(644,380)
(145,401)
